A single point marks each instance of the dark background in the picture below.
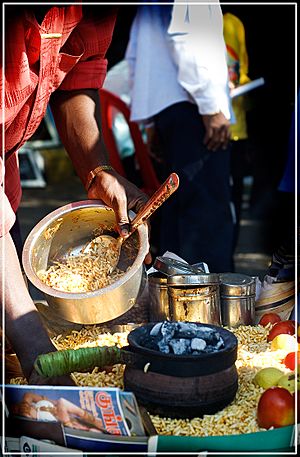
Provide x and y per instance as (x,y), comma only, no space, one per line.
(270,40)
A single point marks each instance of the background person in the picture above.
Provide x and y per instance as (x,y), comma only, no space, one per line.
(238,67)
(179,81)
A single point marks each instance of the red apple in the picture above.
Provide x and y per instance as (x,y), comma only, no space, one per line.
(276,408)
(290,360)
(279,328)
(269,318)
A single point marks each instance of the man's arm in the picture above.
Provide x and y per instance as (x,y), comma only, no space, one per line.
(23,326)
(78,120)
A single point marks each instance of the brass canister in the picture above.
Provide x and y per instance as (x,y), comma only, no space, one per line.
(195,298)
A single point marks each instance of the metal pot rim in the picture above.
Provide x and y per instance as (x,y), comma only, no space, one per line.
(193,279)
(42,225)
(236,280)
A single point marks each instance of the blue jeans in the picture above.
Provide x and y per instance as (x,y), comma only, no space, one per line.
(196,221)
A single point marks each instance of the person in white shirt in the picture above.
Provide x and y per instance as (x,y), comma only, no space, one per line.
(179,81)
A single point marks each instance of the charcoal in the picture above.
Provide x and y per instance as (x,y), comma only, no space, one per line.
(163,347)
(184,338)
(209,337)
(220,343)
(209,349)
(167,330)
(180,346)
(156,329)
(185,330)
(198,344)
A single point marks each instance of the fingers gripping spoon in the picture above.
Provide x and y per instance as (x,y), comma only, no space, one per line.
(105,242)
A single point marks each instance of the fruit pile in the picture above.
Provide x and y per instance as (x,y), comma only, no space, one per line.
(276,406)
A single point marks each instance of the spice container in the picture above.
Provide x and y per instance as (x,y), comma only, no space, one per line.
(195,298)
(237,292)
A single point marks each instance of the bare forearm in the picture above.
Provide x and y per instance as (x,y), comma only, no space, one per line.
(77,117)
(23,326)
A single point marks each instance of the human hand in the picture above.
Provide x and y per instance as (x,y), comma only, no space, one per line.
(120,195)
(244,79)
(217,131)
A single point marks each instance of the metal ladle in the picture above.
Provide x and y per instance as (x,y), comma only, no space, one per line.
(157,199)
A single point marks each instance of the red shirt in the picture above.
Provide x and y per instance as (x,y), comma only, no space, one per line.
(38,62)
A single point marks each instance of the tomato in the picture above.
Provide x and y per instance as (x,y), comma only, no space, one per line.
(276,408)
(290,359)
(282,327)
(269,318)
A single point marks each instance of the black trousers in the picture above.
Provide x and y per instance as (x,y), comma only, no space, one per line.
(197,220)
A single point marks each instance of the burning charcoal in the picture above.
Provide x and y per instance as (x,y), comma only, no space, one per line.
(180,346)
(167,330)
(163,347)
(198,344)
(156,329)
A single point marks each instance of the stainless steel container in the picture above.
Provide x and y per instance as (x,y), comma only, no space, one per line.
(158,297)
(158,289)
(237,294)
(195,298)
(65,231)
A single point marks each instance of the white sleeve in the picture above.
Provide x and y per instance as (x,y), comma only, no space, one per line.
(198,48)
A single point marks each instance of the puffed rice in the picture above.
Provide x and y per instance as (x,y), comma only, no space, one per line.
(238,417)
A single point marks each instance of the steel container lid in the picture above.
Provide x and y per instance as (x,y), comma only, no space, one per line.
(170,266)
(202,279)
(236,284)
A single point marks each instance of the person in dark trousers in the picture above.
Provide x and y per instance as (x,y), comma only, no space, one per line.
(179,78)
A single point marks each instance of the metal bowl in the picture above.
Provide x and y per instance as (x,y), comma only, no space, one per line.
(65,231)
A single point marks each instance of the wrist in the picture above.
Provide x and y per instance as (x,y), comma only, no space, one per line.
(94,173)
